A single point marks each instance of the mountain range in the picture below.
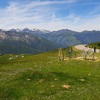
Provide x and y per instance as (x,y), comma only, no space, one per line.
(37,41)
(23,42)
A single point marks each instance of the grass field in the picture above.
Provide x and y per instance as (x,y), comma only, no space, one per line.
(44,77)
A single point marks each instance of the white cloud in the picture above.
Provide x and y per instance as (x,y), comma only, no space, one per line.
(43,16)
(31,13)
(89,24)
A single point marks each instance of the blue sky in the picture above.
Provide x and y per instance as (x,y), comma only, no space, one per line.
(78,15)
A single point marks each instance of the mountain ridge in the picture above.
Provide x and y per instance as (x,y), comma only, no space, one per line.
(45,40)
(22,42)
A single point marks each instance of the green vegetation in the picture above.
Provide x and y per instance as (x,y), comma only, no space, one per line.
(23,42)
(44,77)
(35,47)
(97,45)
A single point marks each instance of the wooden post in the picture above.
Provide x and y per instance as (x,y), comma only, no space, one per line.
(60,54)
(94,49)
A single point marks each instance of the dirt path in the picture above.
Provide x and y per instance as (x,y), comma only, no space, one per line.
(82,47)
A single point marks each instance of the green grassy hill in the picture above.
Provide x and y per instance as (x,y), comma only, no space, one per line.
(97,45)
(44,77)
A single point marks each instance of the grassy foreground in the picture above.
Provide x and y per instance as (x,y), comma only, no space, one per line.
(44,77)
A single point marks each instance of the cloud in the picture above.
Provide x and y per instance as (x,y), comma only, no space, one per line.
(28,13)
(92,23)
(45,15)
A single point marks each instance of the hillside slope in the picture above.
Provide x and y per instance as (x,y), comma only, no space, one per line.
(37,41)
(44,77)
(21,42)
(66,38)
(97,45)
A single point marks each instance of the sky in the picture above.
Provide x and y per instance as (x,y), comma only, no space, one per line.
(77,15)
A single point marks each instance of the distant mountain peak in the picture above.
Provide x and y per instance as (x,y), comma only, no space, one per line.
(41,30)
(2,30)
(15,30)
(26,29)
